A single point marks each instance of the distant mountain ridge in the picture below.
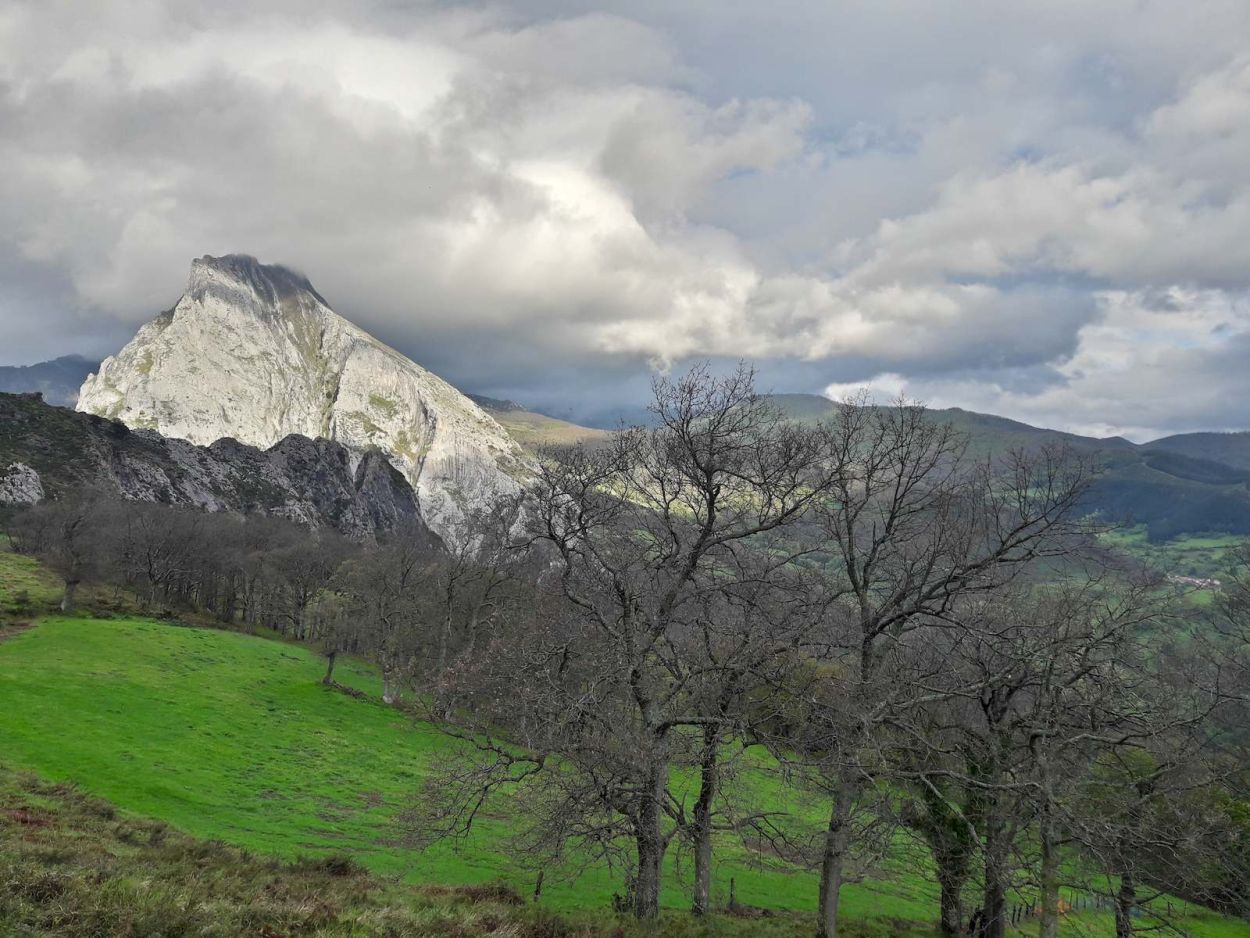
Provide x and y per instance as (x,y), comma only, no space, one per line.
(1173,486)
(57,380)
(1170,492)
(253,352)
(1230,448)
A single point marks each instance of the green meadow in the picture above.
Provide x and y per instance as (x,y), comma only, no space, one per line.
(1206,555)
(232,737)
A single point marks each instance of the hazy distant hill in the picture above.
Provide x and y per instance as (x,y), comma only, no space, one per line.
(1171,486)
(1195,483)
(1230,448)
(57,380)
(533,430)
(986,432)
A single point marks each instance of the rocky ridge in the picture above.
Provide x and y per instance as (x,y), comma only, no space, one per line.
(49,450)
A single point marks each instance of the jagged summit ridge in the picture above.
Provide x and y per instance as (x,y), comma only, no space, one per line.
(251,351)
(242,274)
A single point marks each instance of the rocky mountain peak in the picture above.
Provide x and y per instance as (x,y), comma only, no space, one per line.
(251,351)
(234,274)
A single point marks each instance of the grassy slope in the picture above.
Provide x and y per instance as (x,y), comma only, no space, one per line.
(533,430)
(72,865)
(229,736)
(25,587)
(1198,555)
(536,430)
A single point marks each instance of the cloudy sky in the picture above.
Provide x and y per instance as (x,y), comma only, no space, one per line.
(1039,209)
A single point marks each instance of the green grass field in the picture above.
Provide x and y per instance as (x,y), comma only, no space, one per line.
(233,737)
(1205,556)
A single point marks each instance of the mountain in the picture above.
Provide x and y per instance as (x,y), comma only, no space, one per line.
(985,432)
(57,380)
(1233,449)
(251,351)
(1171,493)
(45,450)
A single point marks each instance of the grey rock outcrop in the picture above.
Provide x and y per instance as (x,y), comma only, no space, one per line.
(20,485)
(313,481)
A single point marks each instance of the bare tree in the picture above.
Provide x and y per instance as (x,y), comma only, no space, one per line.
(387,592)
(474,580)
(158,545)
(1153,813)
(742,650)
(639,534)
(1049,679)
(305,568)
(67,535)
(913,526)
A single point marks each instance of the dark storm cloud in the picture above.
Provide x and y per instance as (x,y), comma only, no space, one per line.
(974,204)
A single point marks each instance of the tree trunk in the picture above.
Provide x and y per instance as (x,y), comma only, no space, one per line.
(833,861)
(650,840)
(1125,903)
(709,769)
(231,600)
(71,592)
(444,639)
(329,678)
(952,906)
(389,692)
(950,842)
(470,642)
(993,912)
(994,902)
(1049,899)
(994,899)
(647,885)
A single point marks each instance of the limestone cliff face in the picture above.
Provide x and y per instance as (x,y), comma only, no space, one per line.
(252,352)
